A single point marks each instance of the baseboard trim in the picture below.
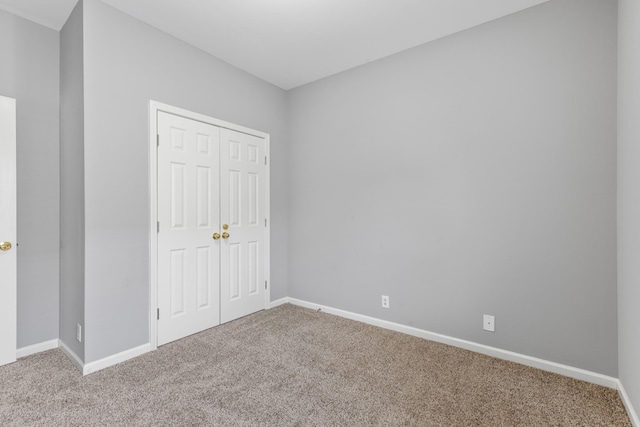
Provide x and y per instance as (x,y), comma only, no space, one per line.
(37,348)
(100,364)
(89,368)
(545,365)
(276,303)
(633,415)
(77,362)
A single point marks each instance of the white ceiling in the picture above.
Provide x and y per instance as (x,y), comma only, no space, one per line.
(50,13)
(293,42)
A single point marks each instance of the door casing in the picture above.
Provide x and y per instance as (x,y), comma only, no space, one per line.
(154,108)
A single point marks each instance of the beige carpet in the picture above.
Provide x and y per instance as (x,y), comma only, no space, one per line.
(291,366)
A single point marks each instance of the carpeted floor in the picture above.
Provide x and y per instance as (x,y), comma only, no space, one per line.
(291,366)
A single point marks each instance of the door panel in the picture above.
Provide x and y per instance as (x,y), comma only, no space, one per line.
(208,176)
(188,214)
(8,231)
(243,208)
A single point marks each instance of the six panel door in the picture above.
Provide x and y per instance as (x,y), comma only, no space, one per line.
(188,215)
(242,204)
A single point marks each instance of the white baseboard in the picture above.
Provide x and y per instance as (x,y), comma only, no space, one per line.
(633,415)
(89,368)
(98,365)
(37,348)
(85,368)
(545,365)
(75,359)
(273,304)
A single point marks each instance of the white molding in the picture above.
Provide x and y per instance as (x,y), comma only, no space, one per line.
(153,219)
(37,348)
(89,368)
(267,213)
(545,365)
(633,415)
(98,365)
(278,302)
(154,108)
(77,362)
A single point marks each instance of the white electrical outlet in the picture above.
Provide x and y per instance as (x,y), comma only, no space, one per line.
(78,332)
(489,323)
(385,301)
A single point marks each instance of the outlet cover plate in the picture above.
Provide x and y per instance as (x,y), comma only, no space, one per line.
(489,323)
(385,301)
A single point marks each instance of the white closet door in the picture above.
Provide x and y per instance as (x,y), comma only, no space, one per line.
(8,231)
(188,214)
(242,204)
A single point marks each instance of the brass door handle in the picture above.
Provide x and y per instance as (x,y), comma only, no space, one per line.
(216,236)
(225,235)
(5,246)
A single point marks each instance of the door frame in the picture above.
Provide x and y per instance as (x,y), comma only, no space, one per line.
(154,108)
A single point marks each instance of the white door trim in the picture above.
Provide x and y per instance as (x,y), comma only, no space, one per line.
(154,107)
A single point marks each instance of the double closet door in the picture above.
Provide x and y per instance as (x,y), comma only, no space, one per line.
(211,226)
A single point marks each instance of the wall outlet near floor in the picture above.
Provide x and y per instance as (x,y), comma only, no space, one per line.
(385,301)
(78,332)
(489,323)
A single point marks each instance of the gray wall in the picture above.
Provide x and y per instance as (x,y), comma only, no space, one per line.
(29,73)
(127,63)
(628,201)
(474,174)
(72,180)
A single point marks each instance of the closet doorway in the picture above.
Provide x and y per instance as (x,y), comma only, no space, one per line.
(211,222)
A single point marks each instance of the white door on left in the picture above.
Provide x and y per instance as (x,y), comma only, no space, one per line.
(8,231)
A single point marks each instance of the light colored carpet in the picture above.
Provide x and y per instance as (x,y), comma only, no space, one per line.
(291,366)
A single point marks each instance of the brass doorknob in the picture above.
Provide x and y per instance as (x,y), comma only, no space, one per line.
(225,235)
(5,246)
(225,226)
(216,236)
